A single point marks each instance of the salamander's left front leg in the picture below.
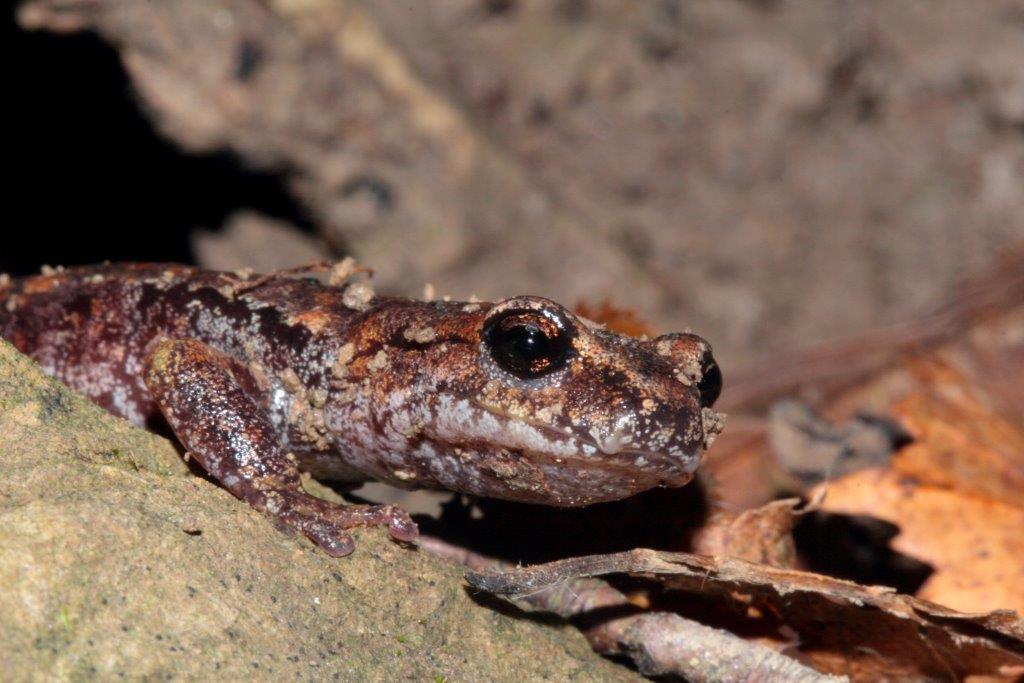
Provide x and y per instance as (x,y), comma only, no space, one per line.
(208,400)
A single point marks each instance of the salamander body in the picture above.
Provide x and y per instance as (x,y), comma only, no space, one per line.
(261,376)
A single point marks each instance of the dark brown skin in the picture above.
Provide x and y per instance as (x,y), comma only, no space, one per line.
(261,377)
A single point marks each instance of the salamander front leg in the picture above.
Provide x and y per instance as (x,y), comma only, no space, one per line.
(208,400)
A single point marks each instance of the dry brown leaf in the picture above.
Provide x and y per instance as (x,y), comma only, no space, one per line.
(867,632)
(740,470)
(993,356)
(763,535)
(621,320)
(660,643)
(960,442)
(975,543)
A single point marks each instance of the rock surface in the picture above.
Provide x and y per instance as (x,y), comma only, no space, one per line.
(115,561)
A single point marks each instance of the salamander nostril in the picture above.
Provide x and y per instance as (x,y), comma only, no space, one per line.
(710,385)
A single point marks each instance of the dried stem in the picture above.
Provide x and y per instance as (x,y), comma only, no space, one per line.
(832,366)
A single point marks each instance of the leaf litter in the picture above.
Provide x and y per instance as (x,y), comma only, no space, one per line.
(927,447)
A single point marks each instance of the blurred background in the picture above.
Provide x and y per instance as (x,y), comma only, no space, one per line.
(769,173)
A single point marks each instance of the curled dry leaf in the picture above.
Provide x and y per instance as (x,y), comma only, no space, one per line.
(974,542)
(659,643)
(763,535)
(867,632)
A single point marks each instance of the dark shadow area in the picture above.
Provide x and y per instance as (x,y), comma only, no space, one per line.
(664,519)
(90,179)
(509,609)
(857,548)
(709,609)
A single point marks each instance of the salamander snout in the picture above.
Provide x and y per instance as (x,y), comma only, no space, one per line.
(556,409)
(661,419)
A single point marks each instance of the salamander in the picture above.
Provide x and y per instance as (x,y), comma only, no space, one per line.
(261,377)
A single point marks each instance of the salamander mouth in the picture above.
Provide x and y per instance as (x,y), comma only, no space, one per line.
(672,471)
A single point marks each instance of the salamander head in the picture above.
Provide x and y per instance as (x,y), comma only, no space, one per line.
(529,402)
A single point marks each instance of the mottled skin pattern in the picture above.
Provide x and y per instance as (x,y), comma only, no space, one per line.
(263,376)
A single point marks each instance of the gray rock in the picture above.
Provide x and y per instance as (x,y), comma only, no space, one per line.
(115,560)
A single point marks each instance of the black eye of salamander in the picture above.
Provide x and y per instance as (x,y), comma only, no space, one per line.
(710,385)
(526,343)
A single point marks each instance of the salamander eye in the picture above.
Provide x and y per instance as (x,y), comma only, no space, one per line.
(710,385)
(527,343)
